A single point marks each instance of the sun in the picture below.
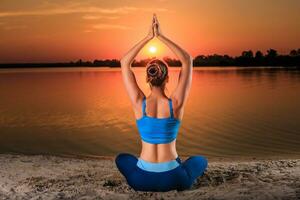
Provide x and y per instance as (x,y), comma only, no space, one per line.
(152,49)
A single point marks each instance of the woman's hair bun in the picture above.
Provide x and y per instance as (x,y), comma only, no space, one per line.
(153,70)
(157,71)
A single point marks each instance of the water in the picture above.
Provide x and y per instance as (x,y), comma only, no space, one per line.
(86,111)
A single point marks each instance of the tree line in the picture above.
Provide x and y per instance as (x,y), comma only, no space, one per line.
(247,58)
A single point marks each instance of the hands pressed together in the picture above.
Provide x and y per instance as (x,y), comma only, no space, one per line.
(186,60)
(155,30)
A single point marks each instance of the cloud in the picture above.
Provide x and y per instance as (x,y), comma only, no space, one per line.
(103,26)
(89,12)
(11,27)
(57,11)
(110,26)
(154,9)
(78,9)
(93,17)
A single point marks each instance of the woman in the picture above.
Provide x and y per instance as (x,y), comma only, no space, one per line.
(158,119)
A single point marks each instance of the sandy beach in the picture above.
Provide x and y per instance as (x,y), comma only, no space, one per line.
(52,177)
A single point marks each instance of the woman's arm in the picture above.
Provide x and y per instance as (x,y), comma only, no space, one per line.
(132,88)
(185,76)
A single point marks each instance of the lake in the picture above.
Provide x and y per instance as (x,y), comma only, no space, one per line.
(86,111)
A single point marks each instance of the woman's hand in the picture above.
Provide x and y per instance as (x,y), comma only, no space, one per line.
(157,30)
(151,33)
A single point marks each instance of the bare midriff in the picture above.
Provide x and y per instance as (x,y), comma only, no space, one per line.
(158,152)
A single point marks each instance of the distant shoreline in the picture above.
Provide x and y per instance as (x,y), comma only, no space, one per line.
(66,65)
(246,59)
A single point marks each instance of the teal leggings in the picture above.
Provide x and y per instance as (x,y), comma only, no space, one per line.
(180,178)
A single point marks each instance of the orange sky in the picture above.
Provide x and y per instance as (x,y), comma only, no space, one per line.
(56,30)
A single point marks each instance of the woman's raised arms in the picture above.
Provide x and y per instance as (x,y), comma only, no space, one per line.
(132,88)
(185,77)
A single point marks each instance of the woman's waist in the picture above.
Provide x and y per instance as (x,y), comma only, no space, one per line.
(158,152)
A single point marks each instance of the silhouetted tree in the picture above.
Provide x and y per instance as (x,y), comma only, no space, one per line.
(258,59)
(247,54)
(271,58)
(293,53)
(172,62)
(272,53)
(259,55)
(245,59)
(79,62)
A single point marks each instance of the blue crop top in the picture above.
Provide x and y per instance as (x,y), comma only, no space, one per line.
(158,130)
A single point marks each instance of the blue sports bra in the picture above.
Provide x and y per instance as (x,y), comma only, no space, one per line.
(158,130)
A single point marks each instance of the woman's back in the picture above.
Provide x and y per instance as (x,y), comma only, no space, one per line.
(158,126)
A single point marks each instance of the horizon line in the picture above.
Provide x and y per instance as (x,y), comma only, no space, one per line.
(297,51)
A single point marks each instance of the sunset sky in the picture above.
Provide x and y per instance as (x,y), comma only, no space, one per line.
(56,30)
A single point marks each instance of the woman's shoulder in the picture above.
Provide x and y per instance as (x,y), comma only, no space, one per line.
(175,102)
(178,108)
(138,105)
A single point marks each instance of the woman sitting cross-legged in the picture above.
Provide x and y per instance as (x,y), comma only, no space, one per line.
(158,118)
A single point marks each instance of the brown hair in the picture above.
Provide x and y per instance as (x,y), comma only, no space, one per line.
(157,71)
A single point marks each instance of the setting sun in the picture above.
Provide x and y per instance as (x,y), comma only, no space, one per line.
(152,49)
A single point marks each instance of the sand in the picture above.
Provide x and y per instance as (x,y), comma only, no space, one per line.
(52,177)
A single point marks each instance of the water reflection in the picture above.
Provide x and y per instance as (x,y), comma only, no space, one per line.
(230,112)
